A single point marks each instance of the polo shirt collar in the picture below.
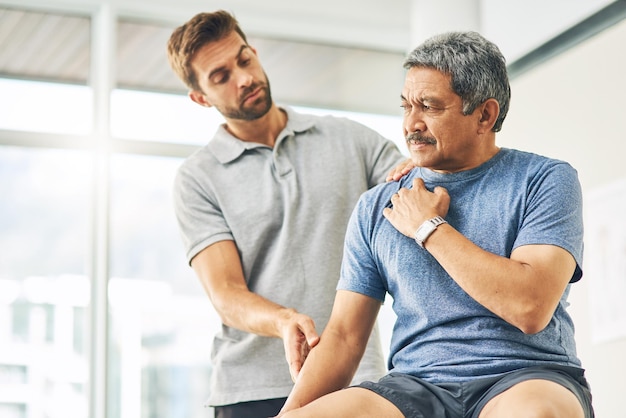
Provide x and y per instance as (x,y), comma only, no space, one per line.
(227,148)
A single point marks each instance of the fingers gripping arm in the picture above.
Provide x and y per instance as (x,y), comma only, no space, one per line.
(331,365)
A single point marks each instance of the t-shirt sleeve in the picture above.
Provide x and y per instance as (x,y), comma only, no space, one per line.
(553,213)
(359,272)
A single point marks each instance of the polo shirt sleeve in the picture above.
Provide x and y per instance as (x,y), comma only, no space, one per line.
(201,222)
(381,155)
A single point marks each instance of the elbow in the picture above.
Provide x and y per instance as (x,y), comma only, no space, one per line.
(532,328)
(533,322)
(224,318)
(530,318)
(222,310)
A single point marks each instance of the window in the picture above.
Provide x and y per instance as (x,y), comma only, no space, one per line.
(161,322)
(45,107)
(43,282)
(161,117)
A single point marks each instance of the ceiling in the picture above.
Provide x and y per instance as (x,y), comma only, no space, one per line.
(340,54)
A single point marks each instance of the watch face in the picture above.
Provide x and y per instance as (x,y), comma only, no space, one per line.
(423,232)
(427,228)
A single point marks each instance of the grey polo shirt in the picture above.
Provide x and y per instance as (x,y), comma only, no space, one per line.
(287,209)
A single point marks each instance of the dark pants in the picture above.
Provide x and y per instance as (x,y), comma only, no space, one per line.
(255,409)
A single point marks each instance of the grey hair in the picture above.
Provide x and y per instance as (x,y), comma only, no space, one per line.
(476,67)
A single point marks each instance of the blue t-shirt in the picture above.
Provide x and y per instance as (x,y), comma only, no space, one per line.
(442,334)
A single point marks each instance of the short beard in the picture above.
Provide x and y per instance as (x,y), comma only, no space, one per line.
(258,109)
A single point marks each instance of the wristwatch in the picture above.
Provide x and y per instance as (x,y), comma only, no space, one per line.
(427,228)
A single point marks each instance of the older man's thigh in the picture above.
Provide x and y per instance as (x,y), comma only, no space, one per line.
(534,398)
(351,402)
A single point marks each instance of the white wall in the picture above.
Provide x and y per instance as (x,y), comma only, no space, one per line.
(573,108)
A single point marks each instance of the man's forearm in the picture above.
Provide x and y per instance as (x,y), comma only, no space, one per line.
(331,365)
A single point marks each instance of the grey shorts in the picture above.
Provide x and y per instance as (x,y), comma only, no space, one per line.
(416,398)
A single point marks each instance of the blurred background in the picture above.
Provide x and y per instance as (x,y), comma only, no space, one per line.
(100,315)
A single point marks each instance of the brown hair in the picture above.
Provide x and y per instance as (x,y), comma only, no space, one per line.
(187,39)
